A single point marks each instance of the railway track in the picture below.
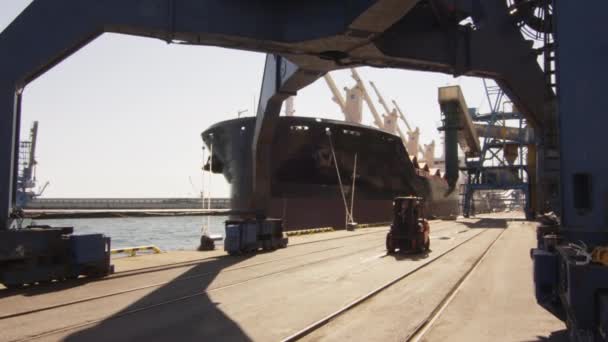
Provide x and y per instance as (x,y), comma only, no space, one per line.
(195,276)
(175,265)
(379,244)
(427,322)
(190,263)
(129,273)
(198,261)
(171,301)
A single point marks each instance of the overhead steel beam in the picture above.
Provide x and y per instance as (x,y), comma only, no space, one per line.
(281,80)
(496,49)
(493,48)
(316,35)
(47,32)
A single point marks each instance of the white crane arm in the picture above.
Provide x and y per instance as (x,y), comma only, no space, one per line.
(380,98)
(334,89)
(409,128)
(377,118)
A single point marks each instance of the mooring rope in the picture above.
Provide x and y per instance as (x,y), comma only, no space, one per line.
(331,145)
(352,191)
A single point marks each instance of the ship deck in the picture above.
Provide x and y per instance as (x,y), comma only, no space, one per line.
(474,285)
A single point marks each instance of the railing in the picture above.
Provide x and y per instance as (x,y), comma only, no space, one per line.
(126,203)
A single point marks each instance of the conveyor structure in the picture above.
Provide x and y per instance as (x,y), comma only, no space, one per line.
(452,104)
(502,163)
(306,39)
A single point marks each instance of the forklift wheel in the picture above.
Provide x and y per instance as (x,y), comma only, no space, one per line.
(390,246)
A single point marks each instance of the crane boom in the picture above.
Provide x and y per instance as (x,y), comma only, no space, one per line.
(377,118)
(407,124)
(334,89)
(380,98)
(409,128)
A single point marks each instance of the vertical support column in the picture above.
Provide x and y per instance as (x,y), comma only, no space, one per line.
(10,103)
(269,109)
(533,188)
(281,80)
(17,140)
(582,104)
(451,125)
(548,165)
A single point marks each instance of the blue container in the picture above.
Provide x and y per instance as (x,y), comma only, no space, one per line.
(249,236)
(232,241)
(89,249)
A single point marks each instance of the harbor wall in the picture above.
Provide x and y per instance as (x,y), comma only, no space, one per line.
(126,203)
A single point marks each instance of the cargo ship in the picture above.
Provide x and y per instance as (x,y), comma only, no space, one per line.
(314,180)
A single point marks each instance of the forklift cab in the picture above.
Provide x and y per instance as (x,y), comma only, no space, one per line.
(410,230)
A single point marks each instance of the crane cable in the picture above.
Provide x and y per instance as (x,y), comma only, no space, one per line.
(331,145)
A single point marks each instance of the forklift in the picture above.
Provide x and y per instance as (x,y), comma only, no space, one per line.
(410,230)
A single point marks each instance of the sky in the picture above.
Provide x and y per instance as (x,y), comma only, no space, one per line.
(122,117)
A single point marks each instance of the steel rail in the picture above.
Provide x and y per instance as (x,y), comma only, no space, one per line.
(121,292)
(428,322)
(320,323)
(195,276)
(158,268)
(174,300)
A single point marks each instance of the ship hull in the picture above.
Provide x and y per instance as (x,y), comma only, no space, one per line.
(307,190)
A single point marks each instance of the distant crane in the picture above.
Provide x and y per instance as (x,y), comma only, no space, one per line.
(26,177)
(413,135)
(390,116)
(428,153)
(370,104)
(351,105)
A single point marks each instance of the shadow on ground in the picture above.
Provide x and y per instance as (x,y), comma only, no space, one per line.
(40,289)
(181,310)
(490,223)
(556,336)
(398,255)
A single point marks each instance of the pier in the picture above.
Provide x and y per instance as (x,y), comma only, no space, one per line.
(337,285)
(125,203)
(62,208)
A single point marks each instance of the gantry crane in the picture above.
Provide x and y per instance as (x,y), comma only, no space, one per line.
(475,38)
(502,163)
(428,154)
(26,178)
(352,106)
(413,136)
(370,104)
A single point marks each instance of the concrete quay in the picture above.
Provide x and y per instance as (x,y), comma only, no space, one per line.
(474,285)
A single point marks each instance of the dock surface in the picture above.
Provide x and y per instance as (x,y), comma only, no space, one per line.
(474,285)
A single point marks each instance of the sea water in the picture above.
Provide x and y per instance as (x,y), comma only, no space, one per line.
(166,232)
